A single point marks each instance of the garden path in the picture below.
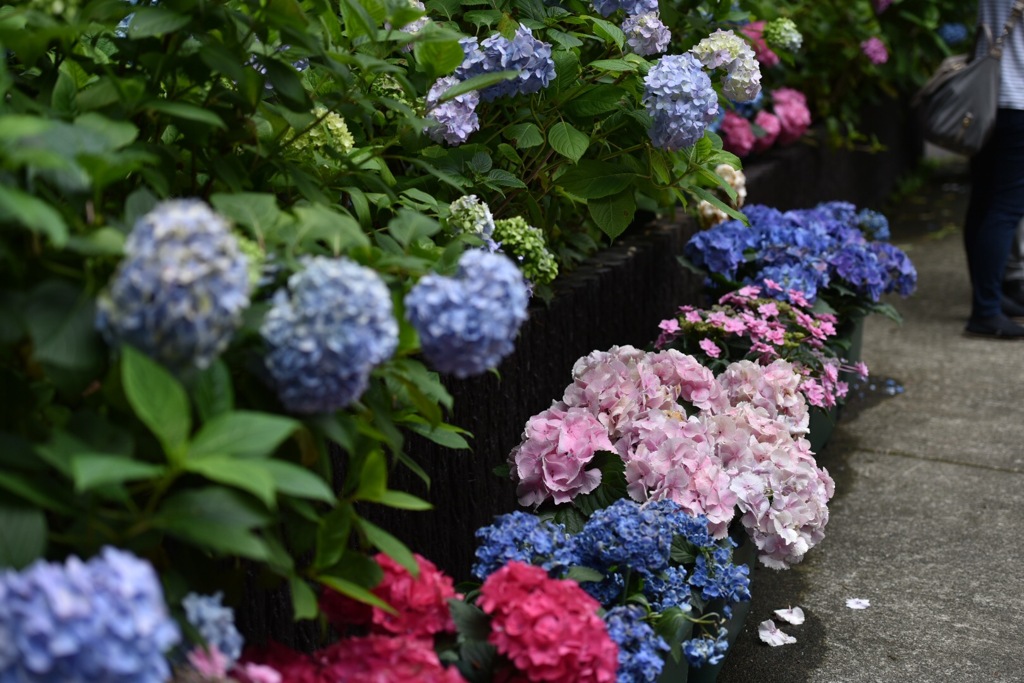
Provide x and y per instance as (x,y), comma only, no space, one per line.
(929,495)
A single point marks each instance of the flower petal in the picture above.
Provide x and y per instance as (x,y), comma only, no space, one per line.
(858,603)
(771,634)
(793,615)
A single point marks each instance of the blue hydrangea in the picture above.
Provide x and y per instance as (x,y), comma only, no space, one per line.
(844,212)
(631,7)
(523,53)
(468,323)
(668,589)
(325,332)
(874,224)
(608,590)
(706,650)
(641,650)
(718,577)
(82,622)
(645,34)
(179,293)
(953,33)
(526,538)
(721,249)
(215,623)
(901,275)
(680,100)
(454,120)
(790,276)
(624,536)
(860,270)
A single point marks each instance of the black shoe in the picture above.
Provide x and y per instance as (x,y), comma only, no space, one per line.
(996,327)
(1011,307)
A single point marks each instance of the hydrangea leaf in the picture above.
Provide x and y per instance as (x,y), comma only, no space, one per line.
(242,433)
(148,22)
(525,135)
(568,141)
(32,213)
(92,470)
(247,475)
(213,393)
(470,621)
(608,31)
(437,58)
(354,591)
(613,214)
(403,501)
(295,480)
(596,100)
(158,400)
(389,545)
(303,599)
(22,535)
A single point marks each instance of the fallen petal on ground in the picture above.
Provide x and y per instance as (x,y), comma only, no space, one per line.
(771,634)
(858,603)
(793,615)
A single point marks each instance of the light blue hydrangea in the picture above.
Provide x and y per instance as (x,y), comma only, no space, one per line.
(874,224)
(641,650)
(523,53)
(467,323)
(645,34)
(456,119)
(325,332)
(726,50)
(215,623)
(179,293)
(783,34)
(682,104)
(82,622)
(631,7)
(953,33)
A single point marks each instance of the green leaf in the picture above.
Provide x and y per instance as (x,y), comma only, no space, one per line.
(303,599)
(61,320)
(442,434)
(471,622)
(22,535)
(524,135)
(596,100)
(242,433)
(93,470)
(712,198)
(247,475)
(389,545)
(438,58)
(608,31)
(332,536)
(253,210)
(613,65)
(596,179)
(147,22)
(354,591)
(187,112)
(340,230)
(570,517)
(403,501)
(611,488)
(673,625)
(373,481)
(409,226)
(215,518)
(568,141)
(32,213)
(158,400)
(287,84)
(40,491)
(105,241)
(584,574)
(295,480)
(613,214)
(213,393)
(502,178)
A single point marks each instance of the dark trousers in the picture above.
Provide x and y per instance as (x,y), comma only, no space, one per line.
(996,207)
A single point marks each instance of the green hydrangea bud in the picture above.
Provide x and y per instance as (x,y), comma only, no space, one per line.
(255,256)
(472,216)
(388,86)
(526,244)
(782,34)
(330,133)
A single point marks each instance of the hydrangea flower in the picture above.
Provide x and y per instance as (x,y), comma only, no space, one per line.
(525,538)
(953,33)
(468,323)
(456,119)
(719,578)
(764,54)
(626,535)
(548,629)
(215,623)
(330,135)
(706,650)
(783,34)
(375,658)
(874,49)
(179,293)
(631,7)
(737,135)
(725,49)
(325,332)
(420,602)
(680,100)
(78,622)
(641,650)
(523,53)
(874,224)
(527,245)
(471,216)
(645,34)
(770,127)
(790,107)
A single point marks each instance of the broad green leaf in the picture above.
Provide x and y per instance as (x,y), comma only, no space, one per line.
(712,198)
(596,179)
(22,534)
(245,434)
(568,141)
(40,491)
(32,213)
(220,538)
(390,546)
(524,135)
(287,84)
(567,70)
(613,65)
(158,400)
(15,126)
(439,58)
(318,222)
(483,17)
(253,210)
(303,599)
(149,22)
(115,134)
(295,480)
(247,475)
(186,111)
(611,488)
(213,392)
(609,31)
(354,591)
(584,574)
(441,434)
(502,178)
(599,99)
(477,83)
(409,226)
(105,241)
(470,621)
(332,536)
(565,40)
(403,501)
(373,481)
(613,214)
(212,504)
(61,320)
(92,470)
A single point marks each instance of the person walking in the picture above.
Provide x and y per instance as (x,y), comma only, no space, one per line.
(996,203)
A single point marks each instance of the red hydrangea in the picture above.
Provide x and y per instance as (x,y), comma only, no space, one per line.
(383,659)
(548,628)
(421,602)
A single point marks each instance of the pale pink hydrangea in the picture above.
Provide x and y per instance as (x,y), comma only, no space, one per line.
(790,107)
(557,446)
(687,380)
(608,384)
(874,49)
(737,135)
(774,387)
(769,123)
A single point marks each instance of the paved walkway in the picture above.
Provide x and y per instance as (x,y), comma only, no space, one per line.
(927,518)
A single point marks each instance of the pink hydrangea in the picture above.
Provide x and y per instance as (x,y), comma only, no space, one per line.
(710,348)
(686,380)
(551,461)
(549,629)
(737,135)
(769,123)
(881,5)
(874,49)
(790,107)
(421,602)
(774,387)
(754,31)
(386,659)
(609,385)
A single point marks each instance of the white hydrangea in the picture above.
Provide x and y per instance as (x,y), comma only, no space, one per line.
(726,50)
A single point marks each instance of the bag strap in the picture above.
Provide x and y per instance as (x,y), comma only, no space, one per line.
(1015,13)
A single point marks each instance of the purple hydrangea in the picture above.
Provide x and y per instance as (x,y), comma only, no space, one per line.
(645,34)
(81,622)
(467,323)
(641,650)
(456,119)
(523,53)
(215,623)
(679,97)
(179,293)
(526,538)
(631,7)
(901,275)
(325,332)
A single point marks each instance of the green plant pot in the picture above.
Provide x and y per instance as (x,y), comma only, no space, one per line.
(821,426)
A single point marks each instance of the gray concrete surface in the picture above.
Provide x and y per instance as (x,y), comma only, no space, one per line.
(927,518)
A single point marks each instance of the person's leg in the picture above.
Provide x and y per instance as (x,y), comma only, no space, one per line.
(1013,278)
(996,208)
